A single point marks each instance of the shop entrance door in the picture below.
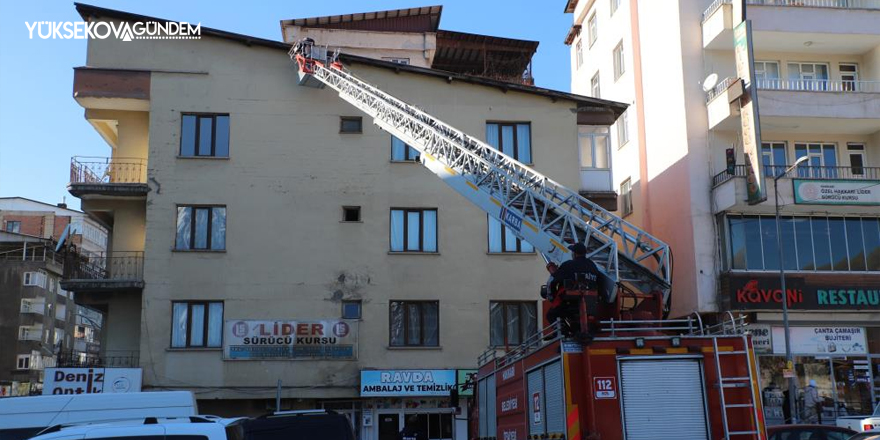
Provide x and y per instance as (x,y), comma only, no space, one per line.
(852,380)
(389,426)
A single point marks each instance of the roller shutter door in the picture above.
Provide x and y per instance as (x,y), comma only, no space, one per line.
(554,396)
(491,405)
(663,399)
(483,396)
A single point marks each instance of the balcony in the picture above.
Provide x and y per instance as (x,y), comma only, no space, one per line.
(105,272)
(847,26)
(113,358)
(729,190)
(30,334)
(35,307)
(94,177)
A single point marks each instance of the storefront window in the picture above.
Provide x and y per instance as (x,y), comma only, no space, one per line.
(852,378)
(810,368)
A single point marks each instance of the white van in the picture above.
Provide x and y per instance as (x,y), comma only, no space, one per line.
(24,417)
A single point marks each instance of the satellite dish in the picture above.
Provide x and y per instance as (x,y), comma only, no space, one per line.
(63,238)
(710,82)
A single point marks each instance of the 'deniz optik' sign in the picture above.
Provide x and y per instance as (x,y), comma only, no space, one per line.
(91,380)
(332,339)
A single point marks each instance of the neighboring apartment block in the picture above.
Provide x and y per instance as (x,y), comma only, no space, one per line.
(240,200)
(30,217)
(817,76)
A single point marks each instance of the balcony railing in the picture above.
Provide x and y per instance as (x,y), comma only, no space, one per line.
(110,266)
(717,4)
(30,334)
(115,358)
(719,88)
(836,4)
(819,85)
(33,307)
(107,170)
(804,172)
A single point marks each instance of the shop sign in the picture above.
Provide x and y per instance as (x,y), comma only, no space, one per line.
(754,292)
(749,114)
(392,383)
(822,340)
(762,338)
(837,192)
(465,380)
(329,339)
(91,380)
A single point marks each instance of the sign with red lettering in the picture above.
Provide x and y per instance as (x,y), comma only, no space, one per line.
(605,387)
(763,292)
(332,339)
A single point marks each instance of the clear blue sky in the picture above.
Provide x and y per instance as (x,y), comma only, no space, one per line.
(41,126)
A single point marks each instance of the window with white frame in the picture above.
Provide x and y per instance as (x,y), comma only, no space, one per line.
(594,86)
(773,158)
(623,129)
(808,76)
(594,147)
(615,5)
(413,230)
(503,240)
(23,362)
(37,279)
(618,60)
(626,202)
(401,152)
(856,158)
(196,324)
(849,75)
(767,74)
(579,52)
(822,162)
(593,27)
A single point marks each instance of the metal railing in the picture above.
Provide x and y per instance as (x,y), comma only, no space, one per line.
(33,307)
(804,172)
(107,170)
(836,4)
(714,7)
(115,266)
(30,334)
(115,358)
(545,336)
(818,85)
(719,88)
(32,252)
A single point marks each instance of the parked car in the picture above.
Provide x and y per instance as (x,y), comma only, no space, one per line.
(24,417)
(873,434)
(808,432)
(288,425)
(861,423)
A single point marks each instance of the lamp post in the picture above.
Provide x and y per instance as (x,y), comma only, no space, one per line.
(792,388)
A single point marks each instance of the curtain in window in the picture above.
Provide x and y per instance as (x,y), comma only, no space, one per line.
(178,325)
(413,325)
(496,324)
(523,143)
(183,227)
(513,324)
(215,324)
(201,232)
(397,324)
(507,145)
(494,235)
(412,231)
(509,241)
(218,229)
(431,324)
(430,238)
(197,332)
(492,135)
(397,230)
(529,318)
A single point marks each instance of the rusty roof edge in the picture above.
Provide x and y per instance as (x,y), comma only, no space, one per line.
(431,10)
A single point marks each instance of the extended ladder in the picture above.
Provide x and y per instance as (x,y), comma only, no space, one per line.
(532,206)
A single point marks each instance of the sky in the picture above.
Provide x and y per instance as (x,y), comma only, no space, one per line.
(42,127)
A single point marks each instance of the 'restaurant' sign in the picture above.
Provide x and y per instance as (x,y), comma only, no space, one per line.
(332,339)
(762,292)
(836,192)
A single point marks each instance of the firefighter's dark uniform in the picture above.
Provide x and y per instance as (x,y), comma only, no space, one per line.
(579,268)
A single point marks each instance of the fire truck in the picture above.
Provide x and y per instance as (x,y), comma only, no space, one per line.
(626,372)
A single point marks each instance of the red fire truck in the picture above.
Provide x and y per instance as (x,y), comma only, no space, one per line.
(633,379)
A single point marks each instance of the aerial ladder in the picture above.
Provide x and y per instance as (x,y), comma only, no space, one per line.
(532,206)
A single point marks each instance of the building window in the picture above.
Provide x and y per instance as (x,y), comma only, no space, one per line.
(201,228)
(351,309)
(415,324)
(351,214)
(619,63)
(615,5)
(822,162)
(593,27)
(626,201)
(413,230)
(623,129)
(23,362)
(351,124)
(401,152)
(196,324)
(767,74)
(502,240)
(512,322)
(37,279)
(856,158)
(13,226)
(594,147)
(579,52)
(594,85)
(849,75)
(513,139)
(204,135)
(773,156)
(808,243)
(396,60)
(808,76)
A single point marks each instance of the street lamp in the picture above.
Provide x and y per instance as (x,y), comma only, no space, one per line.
(792,388)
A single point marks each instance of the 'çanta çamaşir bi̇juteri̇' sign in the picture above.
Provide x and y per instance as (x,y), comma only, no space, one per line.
(331,339)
